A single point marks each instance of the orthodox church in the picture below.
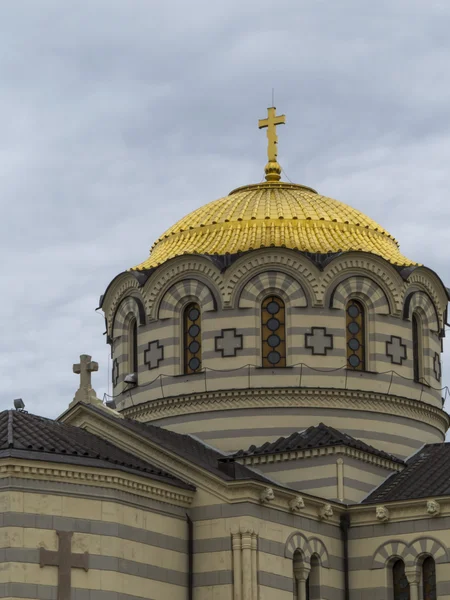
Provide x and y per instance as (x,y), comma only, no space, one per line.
(276,430)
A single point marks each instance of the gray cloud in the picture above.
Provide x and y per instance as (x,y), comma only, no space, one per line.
(117,118)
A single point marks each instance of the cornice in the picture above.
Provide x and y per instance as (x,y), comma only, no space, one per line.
(228,492)
(264,459)
(289,397)
(399,511)
(94,477)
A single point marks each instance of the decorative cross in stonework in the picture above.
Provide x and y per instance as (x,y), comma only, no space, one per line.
(228,342)
(437,366)
(84,368)
(154,354)
(396,350)
(65,561)
(319,341)
(115,372)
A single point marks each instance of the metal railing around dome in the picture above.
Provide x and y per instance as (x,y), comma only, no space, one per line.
(296,376)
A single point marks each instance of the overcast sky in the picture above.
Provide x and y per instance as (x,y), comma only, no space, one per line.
(117,118)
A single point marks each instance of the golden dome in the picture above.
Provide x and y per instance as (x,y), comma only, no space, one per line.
(274,214)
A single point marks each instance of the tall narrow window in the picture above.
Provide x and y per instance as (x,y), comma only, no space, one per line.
(429,579)
(192,339)
(313,581)
(133,347)
(417,347)
(273,331)
(356,352)
(400,582)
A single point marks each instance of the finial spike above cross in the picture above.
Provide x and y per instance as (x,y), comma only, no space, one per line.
(272,169)
(84,368)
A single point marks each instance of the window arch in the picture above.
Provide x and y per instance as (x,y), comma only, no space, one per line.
(429,579)
(417,347)
(133,346)
(273,332)
(356,336)
(192,339)
(399,581)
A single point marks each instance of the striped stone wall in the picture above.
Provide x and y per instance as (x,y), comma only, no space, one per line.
(134,552)
(330,473)
(374,547)
(237,421)
(275,533)
(230,302)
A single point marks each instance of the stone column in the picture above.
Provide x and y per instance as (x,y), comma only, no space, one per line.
(413,577)
(246,541)
(237,566)
(254,566)
(301,573)
(340,479)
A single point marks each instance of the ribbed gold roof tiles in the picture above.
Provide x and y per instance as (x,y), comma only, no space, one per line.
(274,215)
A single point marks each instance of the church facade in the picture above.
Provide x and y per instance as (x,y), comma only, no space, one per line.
(276,430)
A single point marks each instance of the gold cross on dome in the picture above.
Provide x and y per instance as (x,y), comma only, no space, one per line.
(271,123)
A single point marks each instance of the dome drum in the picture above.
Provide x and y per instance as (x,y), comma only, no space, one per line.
(307,311)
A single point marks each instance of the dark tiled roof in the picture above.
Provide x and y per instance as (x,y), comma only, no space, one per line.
(314,437)
(193,450)
(427,473)
(24,435)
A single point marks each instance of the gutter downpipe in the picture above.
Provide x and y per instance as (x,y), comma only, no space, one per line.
(190,557)
(344,525)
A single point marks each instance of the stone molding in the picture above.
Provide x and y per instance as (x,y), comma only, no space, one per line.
(230,492)
(363,264)
(289,397)
(360,286)
(272,282)
(180,269)
(372,459)
(423,278)
(95,477)
(308,547)
(127,309)
(417,299)
(118,290)
(174,298)
(283,261)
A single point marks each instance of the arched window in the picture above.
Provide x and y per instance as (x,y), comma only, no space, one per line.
(273,332)
(417,347)
(133,347)
(192,339)
(356,336)
(429,579)
(400,582)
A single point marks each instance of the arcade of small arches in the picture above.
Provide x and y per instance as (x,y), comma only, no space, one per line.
(409,569)
(274,342)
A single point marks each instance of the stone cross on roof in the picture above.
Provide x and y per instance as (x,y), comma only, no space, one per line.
(65,561)
(84,368)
